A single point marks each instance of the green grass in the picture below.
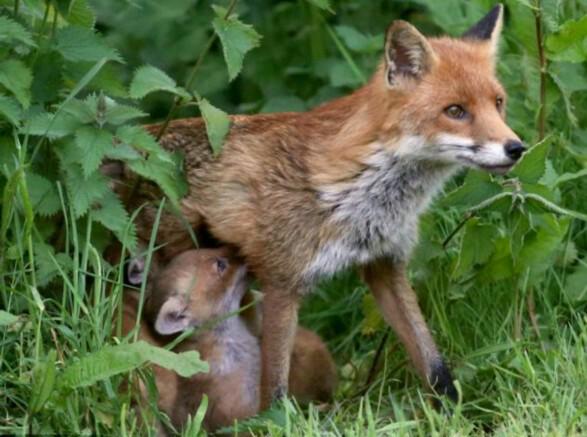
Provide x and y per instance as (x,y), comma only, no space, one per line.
(511,381)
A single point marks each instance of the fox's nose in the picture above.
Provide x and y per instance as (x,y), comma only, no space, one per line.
(514,149)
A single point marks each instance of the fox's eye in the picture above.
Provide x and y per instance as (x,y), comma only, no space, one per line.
(455,111)
(499,103)
(221,264)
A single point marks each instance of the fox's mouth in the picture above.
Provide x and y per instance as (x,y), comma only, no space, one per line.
(499,169)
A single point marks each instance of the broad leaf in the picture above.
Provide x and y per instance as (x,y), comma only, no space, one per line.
(476,188)
(358,41)
(84,191)
(217,124)
(43,382)
(95,144)
(7,319)
(148,79)
(16,77)
(532,165)
(237,39)
(576,284)
(9,110)
(570,42)
(322,4)
(43,194)
(111,213)
(122,358)
(77,43)
(11,32)
(476,246)
(50,125)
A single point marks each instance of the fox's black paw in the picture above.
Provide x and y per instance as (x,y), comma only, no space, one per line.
(441,381)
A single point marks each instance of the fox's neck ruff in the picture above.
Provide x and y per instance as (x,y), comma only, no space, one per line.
(377,206)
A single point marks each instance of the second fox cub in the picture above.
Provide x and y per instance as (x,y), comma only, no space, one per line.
(305,195)
(204,287)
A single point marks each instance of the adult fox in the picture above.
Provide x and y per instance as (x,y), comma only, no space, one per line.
(304,195)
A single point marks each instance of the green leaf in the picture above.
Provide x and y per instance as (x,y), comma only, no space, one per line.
(217,124)
(95,144)
(117,114)
(122,358)
(80,13)
(16,77)
(112,214)
(168,176)
(358,41)
(533,163)
(476,188)
(148,79)
(472,253)
(77,43)
(9,109)
(570,42)
(43,382)
(322,4)
(84,191)
(7,319)
(139,138)
(237,39)
(11,32)
(566,177)
(43,194)
(576,284)
(48,263)
(50,125)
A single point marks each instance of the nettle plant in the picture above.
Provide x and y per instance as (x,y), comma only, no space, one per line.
(64,111)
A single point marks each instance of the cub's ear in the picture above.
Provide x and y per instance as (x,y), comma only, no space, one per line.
(488,28)
(173,317)
(407,53)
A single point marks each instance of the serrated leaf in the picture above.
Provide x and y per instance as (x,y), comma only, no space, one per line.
(237,39)
(476,188)
(531,166)
(95,144)
(111,213)
(148,79)
(471,252)
(322,4)
(7,319)
(122,358)
(43,194)
(9,109)
(118,114)
(77,43)
(47,77)
(80,13)
(139,138)
(569,44)
(167,175)
(50,125)
(217,124)
(84,191)
(11,31)
(47,263)
(16,77)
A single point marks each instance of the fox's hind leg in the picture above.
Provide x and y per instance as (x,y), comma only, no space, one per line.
(399,305)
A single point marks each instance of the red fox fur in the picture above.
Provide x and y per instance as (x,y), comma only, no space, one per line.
(302,196)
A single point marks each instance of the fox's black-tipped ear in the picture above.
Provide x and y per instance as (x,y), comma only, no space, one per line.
(407,53)
(488,28)
(173,317)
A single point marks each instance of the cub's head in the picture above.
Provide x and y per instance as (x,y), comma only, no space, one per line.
(196,287)
(444,92)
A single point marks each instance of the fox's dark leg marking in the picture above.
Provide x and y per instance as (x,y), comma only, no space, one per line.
(441,380)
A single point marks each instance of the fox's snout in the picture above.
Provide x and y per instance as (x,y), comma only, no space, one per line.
(514,149)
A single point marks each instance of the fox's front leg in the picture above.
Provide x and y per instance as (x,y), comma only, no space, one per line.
(399,305)
(280,319)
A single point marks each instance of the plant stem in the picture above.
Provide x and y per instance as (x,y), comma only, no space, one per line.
(543,70)
(177,101)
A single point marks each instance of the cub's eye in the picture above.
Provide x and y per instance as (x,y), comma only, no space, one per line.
(456,112)
(499,103)
(221,264)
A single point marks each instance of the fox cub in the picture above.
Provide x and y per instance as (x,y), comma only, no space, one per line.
(204,289)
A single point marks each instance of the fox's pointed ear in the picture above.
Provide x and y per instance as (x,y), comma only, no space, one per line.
(407,53)
(173,317)
(488,28)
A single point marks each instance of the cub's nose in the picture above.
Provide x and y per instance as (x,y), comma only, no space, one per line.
(514,149)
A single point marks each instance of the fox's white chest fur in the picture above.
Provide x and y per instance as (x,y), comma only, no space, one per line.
(379,212)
